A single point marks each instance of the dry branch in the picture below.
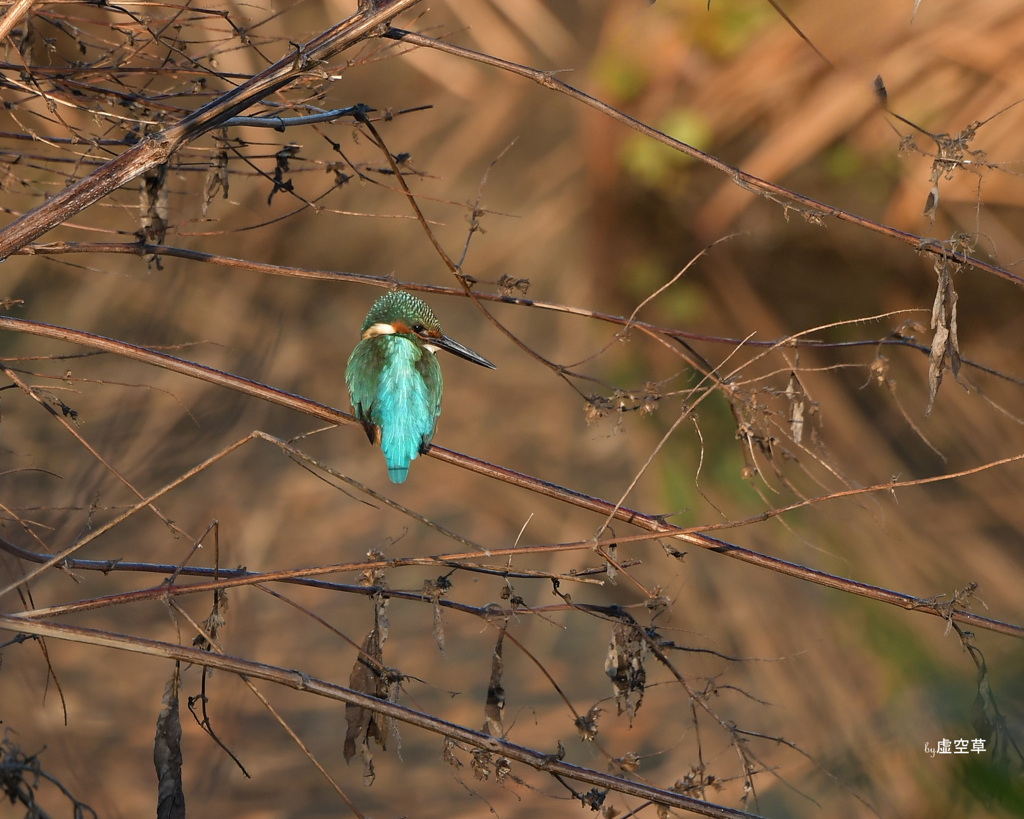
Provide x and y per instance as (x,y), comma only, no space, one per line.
(789,199)
(13,16)
(650,523)
(301,682)
(157,148)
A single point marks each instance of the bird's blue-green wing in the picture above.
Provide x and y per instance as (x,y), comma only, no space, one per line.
(433,386)
(362,375)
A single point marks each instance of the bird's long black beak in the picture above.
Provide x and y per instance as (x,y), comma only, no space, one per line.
(461,351)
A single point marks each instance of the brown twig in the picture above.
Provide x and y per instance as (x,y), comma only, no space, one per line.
(650,523)
(302,682)
(13,17)
(159,147)
(789,198)
(680,336)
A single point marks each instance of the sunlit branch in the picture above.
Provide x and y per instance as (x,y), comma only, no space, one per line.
(777,193)
(651,523)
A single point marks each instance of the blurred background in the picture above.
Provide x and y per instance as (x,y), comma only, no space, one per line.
(574,209)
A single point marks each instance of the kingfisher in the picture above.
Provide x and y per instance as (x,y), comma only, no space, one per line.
(394,378)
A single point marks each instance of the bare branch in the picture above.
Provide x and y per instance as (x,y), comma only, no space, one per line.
(159,147)
(302,682)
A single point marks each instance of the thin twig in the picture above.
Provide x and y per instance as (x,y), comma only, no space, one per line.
(13,17)
(302,682)
(651,523)
(740,177)
(279,123)
(157,148)
(680,336)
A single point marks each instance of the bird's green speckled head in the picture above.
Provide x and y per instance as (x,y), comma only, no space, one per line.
(404,312)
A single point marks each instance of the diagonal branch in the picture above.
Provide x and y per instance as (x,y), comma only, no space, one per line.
(754,184)
(650,523)
(159,147)
(893,339)
(13,16)
(302,682)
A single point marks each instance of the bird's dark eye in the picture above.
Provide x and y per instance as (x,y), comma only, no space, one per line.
(418,328)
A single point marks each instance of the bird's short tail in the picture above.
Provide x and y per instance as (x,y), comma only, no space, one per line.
(399,455)
(398,472)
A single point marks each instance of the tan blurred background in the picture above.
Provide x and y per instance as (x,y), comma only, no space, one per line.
(596,217)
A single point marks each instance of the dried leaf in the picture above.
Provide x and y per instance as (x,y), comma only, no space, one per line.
(672,551)
(495,704)
(217,173)
(153,210)
(438,630)
(658,604)
(435,590)
(944,342)
(214,623)
(931,203)
(593,409)
(167,754)
(795,394)
(880,92)
(380,616)
(502,769)
(281,167)
(369,771)
(366,678)
(507,284)
(587,724)
(375,575)
(625,666)
(481,764)
(154,204)
(448,753)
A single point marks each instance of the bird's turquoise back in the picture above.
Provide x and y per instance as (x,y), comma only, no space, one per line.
(395,384)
